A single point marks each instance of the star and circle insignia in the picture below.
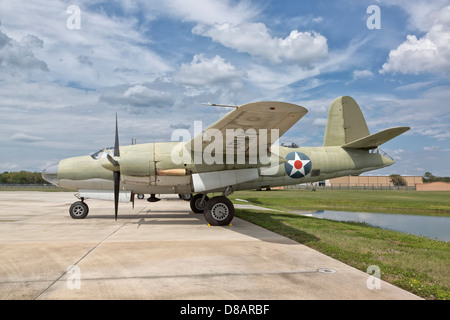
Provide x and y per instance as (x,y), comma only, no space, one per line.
(298,165)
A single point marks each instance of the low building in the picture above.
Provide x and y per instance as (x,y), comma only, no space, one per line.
(433,186)
(372,181)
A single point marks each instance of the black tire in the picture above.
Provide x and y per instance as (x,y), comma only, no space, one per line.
(185,196)
(196,203)
(79,210)
(219,211)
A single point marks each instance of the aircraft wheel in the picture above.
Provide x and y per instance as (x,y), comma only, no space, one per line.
(185,196)
(197,205)
(79,210)
(219,211)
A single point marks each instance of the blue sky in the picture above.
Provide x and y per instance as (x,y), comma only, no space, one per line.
(155,62)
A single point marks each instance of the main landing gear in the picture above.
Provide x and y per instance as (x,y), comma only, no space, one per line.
(218,211)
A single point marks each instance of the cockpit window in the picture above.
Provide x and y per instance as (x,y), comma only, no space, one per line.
(101,154)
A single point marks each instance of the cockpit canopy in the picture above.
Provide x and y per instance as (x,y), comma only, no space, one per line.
(101,154)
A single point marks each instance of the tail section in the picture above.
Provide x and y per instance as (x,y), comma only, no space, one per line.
(347,127)
(345,123)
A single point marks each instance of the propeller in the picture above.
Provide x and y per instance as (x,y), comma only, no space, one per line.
(116,174)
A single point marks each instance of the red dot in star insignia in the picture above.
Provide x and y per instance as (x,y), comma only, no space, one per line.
(298,164)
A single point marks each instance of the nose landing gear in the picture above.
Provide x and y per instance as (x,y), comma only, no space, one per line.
(79,210)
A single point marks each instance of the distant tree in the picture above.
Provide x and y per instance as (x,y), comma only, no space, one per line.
(429,177)
(22,177)
(397,180)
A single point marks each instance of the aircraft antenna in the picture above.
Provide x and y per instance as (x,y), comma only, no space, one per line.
(219,105)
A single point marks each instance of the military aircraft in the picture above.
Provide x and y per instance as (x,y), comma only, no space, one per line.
(235,153)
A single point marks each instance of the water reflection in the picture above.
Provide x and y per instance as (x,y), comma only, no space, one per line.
(428,226)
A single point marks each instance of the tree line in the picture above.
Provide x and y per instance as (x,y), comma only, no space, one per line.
(429,177)
(21,177)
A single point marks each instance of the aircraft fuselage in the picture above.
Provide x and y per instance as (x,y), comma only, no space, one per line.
(148,168)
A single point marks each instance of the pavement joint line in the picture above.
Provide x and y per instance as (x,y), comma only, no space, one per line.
(89,251)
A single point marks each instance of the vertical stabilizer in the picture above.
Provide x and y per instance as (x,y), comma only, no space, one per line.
(345,123)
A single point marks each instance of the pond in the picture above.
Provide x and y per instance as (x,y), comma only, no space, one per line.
(428,226)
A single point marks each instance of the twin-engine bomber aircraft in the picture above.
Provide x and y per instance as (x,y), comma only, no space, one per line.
(235,153)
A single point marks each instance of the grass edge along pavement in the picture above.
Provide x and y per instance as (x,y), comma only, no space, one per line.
(387,201)
(417,264)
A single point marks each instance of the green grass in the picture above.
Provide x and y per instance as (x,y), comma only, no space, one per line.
(411,202)
(417,264)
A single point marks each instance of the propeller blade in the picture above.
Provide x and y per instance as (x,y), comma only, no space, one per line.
(116,192)
(116,144)
(116,173)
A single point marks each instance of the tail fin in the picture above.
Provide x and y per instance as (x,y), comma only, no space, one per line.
(347,127)
(345,123)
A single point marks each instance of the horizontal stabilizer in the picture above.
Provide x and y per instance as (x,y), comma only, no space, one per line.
(377,139)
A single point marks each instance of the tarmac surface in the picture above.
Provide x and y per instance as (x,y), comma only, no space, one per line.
(160,251)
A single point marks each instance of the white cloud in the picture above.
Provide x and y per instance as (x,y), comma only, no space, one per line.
(23,137)
(415,86)
(317,20)
(269,78)
(139,96)
(421,14)
(95,55)
(254,38)
(320,122)
(17,57)
(209,11)
(202,71)
(430,53)
(360,74)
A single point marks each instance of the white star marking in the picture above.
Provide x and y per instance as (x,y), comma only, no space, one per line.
(298,165)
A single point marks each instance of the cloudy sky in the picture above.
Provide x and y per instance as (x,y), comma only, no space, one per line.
(65,72)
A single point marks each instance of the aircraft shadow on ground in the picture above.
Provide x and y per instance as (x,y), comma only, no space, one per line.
(186,218)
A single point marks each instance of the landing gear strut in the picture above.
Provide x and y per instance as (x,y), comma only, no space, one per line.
(198,203)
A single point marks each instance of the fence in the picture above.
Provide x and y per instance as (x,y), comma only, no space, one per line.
(30,187)
(348,187)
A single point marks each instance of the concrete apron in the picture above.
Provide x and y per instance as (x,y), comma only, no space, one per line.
(160,251)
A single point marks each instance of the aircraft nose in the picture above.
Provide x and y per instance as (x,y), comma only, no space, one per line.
(50,173)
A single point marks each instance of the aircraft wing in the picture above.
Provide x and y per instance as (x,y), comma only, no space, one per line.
(254,116)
